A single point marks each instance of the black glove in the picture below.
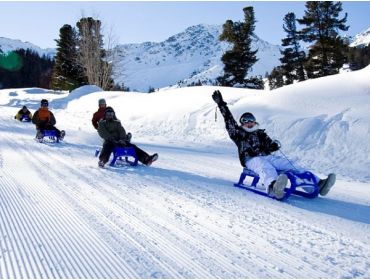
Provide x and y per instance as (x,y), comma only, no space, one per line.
(128,137)
(275,146)
(122,142)
(217,97)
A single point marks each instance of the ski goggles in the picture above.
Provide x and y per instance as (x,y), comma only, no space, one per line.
(248,119)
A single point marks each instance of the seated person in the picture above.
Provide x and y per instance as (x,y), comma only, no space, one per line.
(114,135)
(45,120)
(255,149)
(23,114)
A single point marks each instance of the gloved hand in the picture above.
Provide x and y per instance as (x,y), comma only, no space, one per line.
(217,97)
(275,145)
(128,137)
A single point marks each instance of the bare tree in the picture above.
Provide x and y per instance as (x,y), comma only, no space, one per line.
(95,60)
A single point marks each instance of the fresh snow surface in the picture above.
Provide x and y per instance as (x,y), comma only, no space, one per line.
(63,217)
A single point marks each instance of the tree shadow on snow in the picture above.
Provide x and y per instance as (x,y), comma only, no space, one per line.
(342,209)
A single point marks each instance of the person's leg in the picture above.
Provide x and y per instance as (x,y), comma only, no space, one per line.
(263,168)
(106,151)
(143,156)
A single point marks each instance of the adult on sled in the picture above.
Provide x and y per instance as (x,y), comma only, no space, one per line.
(114,135)
(255,149)
(23,114)
(45,120)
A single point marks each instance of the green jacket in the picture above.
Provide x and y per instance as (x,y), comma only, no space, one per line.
(111,130)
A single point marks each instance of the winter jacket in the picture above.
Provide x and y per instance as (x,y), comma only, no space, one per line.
(43,117)
(20,115)
(250,144)
(112,130)
(98,115)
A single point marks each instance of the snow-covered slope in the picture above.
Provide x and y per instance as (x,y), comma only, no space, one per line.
(361,39)
(7,45)
(63,217)
(188,57)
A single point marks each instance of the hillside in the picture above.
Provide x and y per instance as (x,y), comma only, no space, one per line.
(63,217)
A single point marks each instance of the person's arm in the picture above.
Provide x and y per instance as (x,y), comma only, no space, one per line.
(95,121)
(230,123)
(35,118)
(52,120)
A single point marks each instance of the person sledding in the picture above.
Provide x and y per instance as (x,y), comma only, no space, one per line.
(114,135)
(99,115)
(24,115)
(255,149)
(44,120)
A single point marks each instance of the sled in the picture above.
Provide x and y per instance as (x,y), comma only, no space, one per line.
(122,155)
(50,136)
(25,118)
(302,184)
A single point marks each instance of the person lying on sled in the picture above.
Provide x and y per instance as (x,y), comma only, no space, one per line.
(114,135)
(23,114)
(255,149)
(44,120)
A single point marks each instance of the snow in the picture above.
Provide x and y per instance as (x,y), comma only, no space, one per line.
(63,217)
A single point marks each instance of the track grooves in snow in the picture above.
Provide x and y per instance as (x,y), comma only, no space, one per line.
(73,247)
(70,219)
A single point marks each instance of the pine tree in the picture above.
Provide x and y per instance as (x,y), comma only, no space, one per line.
(293,57)
(239,60)
(328,52)
(276,78)
(67,73)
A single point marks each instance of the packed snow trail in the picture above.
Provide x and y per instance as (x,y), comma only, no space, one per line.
(63,217)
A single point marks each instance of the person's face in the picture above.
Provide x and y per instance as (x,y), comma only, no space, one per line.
(109,116)
(24,110)
(249,124)
(103,105)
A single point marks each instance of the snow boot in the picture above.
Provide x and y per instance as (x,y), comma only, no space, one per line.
(101,164)
(151,159)
(62,134)
(326,184)
(277,187)
(39,135)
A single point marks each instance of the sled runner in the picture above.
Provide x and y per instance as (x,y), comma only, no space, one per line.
(301,184)
(121,155)
(48,136)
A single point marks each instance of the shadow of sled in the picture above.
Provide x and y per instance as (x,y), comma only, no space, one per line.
(122,156)
(301,184)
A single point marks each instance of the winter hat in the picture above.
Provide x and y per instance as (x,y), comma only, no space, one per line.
(102,101)
(44,103)
(109,110)
(247,117)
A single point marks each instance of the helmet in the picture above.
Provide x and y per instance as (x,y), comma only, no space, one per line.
(44,103)
(247,117)
(102,101)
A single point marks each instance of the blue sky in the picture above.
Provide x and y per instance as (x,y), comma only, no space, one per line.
(139,21)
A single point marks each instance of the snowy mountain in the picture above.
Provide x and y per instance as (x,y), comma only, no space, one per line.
(62,217)
(7,45)
(361,39)
(188,57)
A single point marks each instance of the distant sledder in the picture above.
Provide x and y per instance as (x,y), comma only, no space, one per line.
(116,140)
(255,149)
(45,124)
(24,115)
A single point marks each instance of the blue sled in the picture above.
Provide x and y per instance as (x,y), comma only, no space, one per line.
(302,184)
(25,118)
(51,135)
(119,153)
